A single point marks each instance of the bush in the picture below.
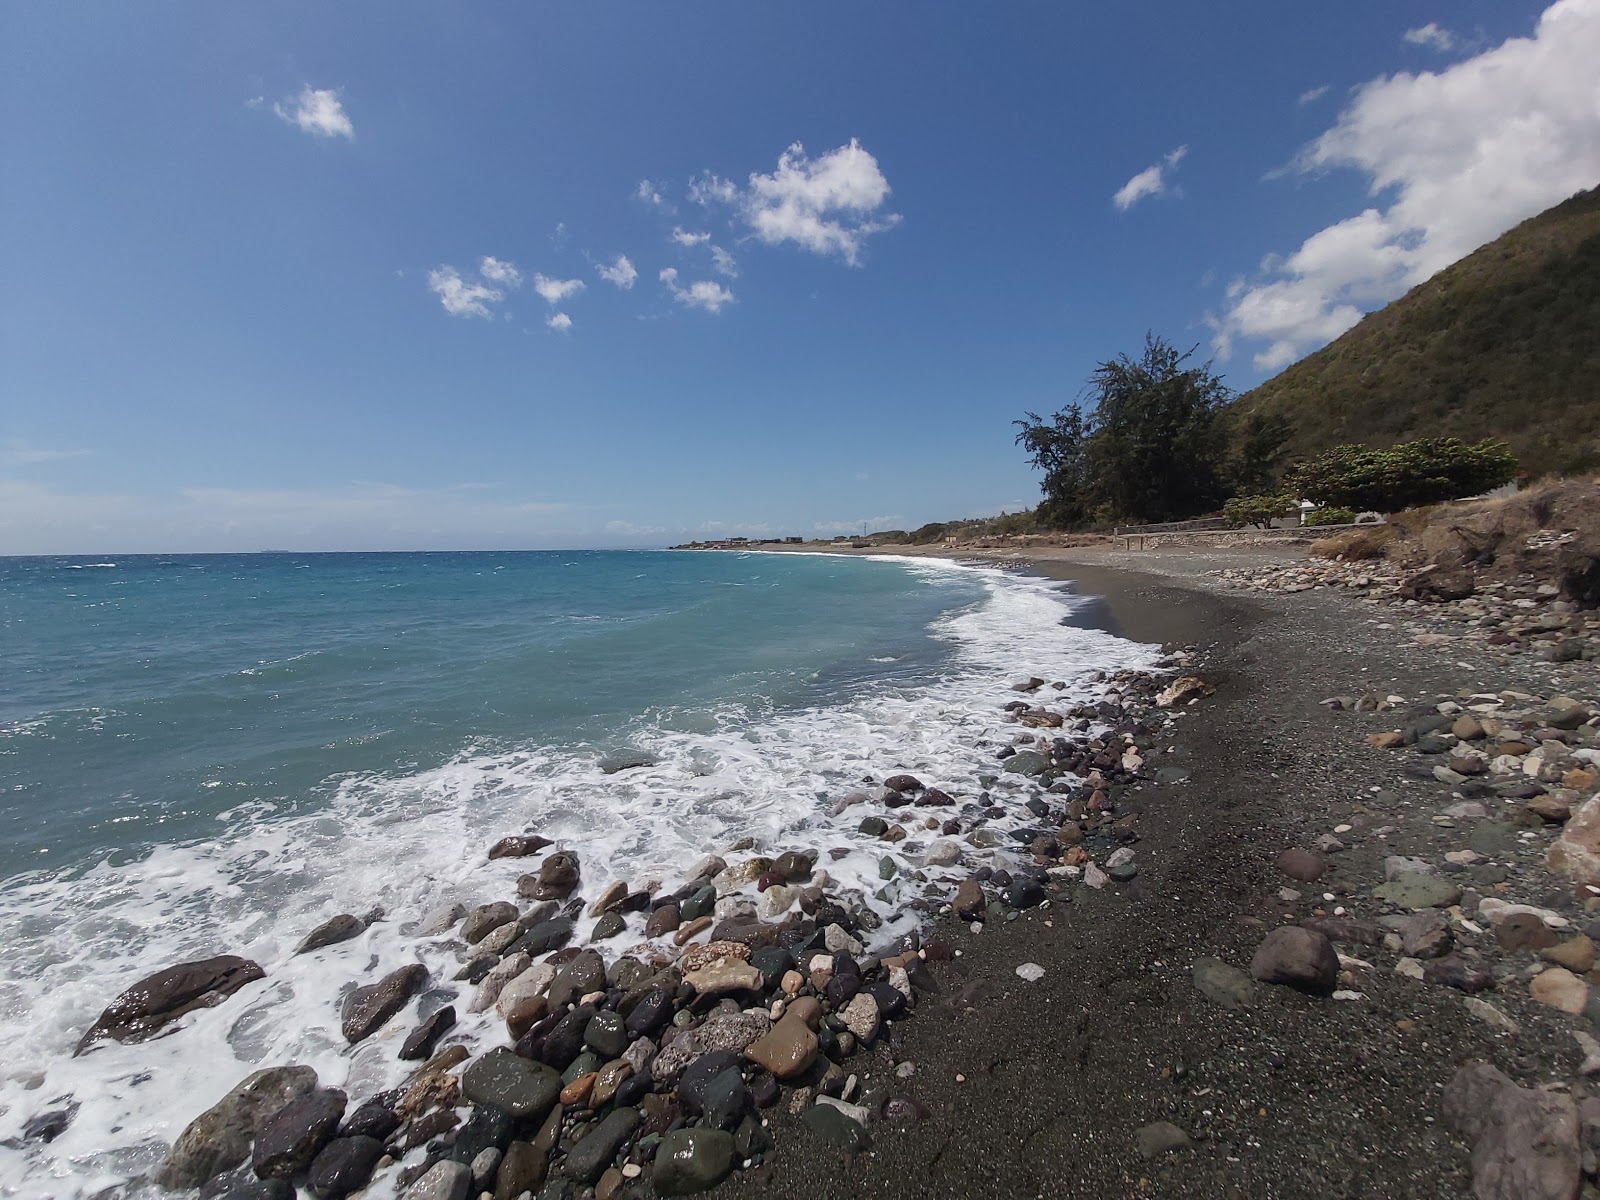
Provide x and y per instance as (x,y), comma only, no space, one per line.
(1329,516)
(1403,476)
(1356,544)
(1257,510)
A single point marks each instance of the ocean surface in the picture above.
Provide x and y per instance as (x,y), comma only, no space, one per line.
(213,754)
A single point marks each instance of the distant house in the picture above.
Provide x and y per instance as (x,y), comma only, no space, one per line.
(794,541)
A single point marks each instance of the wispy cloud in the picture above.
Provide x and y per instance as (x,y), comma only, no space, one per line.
(649,193)
(685,238)
(620,273)
(463,296)
(318,111)
(1152,181)
(1432,36)
(1312,95)
(17,453)
(724,263)
(1458,156)
(704,293)
(39,519)
(556,290)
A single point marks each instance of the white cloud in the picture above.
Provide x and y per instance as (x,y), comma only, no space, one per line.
(684,238)
(1453,159)
(499,271)
(556,290)
(1312,95)
(724,263)
(648,193)
(462,297)
(1432,36)
(621,273)
(829,204)
(16,453)
(708,189)
(704,293)
(318,111)
(560,322)
(1152,181)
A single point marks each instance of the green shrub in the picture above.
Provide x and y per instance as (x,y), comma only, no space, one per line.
(1329,516)
(1403,476)
(1257,510)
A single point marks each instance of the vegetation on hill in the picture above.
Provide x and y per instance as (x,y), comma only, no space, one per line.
(1504,343)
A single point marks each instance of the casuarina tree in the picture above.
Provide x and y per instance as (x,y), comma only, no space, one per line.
(1151,446)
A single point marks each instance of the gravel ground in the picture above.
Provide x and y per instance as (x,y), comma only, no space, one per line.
(1038,1089)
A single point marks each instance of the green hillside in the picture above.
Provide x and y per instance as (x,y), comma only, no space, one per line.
(1505,343)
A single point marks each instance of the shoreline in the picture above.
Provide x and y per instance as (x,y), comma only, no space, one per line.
(1055,1082)
(1044,1088)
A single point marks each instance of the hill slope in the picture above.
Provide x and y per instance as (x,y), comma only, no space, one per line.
(1504,343)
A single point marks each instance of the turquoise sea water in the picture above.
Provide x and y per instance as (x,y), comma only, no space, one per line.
(214,754)
(146,695)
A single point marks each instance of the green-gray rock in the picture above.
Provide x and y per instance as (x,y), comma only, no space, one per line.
(522,1087)
(1414,890)
(1222,984)
(608,926)
(1026,762)
(692,1160)
(1493,838)
(835,1129)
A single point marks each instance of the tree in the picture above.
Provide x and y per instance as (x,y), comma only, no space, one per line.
(1151,449)
(1260,441)
(1404,476)
(1258,510)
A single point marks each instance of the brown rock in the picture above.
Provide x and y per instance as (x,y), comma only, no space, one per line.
(1560,988)
(969,902)
(1391,740)
(1551,810)
(788,1049)
(609,899)
(558,877)
(156,1000)
(1297,958)
(1575,954)
(662,922)
(1467,728)
(692,930)
(1304,865)
(367,1008)
(1524,931)
(577,1092)
(518,846)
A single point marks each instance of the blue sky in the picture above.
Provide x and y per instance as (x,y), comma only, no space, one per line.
(304,275)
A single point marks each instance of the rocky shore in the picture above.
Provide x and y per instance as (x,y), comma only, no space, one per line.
(1279,920)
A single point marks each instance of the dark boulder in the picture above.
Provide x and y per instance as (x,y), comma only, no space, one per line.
(290,1138)
(155,1001)
(367,1008)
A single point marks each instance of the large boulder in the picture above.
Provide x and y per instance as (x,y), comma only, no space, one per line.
(1297,958)
(290,1138)
(148,1006)
(524,1088)
(219,1138)
(367,1008)
(692,1160)
(1524,1141)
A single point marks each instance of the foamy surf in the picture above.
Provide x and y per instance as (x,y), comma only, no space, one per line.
(408,841)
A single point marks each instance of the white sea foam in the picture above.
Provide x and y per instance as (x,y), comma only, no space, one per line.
(409,842)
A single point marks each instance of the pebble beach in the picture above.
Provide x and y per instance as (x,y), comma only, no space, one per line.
(1291,913)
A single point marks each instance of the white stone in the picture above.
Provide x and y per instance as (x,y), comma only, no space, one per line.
(1032,972)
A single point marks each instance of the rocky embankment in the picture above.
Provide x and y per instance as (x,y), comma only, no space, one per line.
(756,985)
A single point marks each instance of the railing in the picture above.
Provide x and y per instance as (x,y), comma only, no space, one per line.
(1199,525)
